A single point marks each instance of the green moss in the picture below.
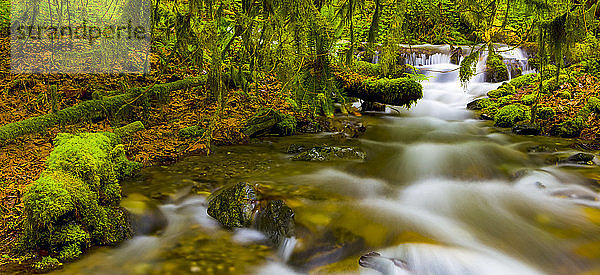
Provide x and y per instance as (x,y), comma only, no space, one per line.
(592,106)
(528,99)
(366,68)
(491,110)
(524,80)
(495,69)
(129,129)
(504,90)
(47,264)
(571,127)
(398,91)
(509,115)
(546,113)
(191,132)
(504,100)
(287,126)
(75,203)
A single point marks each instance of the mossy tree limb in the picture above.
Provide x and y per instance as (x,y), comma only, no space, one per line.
(93,109)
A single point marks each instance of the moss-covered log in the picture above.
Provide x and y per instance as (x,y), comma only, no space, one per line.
(399,91)
(129,129)
(268,121)
(93,109)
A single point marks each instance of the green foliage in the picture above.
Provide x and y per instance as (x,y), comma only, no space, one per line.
(287,125)
(467,66)
(565,95)
(589,48)
(366,68)
(524,80)
(592,106)
(509,115)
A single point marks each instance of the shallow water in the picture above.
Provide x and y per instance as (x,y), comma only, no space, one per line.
(444,192)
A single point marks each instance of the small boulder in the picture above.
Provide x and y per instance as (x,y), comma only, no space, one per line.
(276,221)
(327,153)
(527,129)
(234,205)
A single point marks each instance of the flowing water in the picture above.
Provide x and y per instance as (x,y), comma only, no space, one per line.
(442,191)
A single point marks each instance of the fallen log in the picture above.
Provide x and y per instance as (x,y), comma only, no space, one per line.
(398,91)
(93,109)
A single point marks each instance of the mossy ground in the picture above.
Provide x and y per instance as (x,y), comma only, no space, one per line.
(568,109)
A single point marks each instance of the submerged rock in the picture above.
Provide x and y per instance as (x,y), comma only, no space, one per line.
(327,153)
(580,158)
(234,205)
(276,221)
(527,129)
(146,218)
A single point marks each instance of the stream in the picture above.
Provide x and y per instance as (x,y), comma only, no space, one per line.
(440,189)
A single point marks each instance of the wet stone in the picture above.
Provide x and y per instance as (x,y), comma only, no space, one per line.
(580,158)
(327,153)
(233,205)
(527,129)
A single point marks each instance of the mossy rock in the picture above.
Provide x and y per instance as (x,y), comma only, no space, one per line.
(328,153)
(570,128)
(75,202)
(524,80)
(546,113)
(47,264)
(234,205)
(479,104)
(592,106)
(366,68)
(505,100)
(529,99)
(504,90)
(191,132)
(276,220)
(96,158)
(508,115)
(495,69)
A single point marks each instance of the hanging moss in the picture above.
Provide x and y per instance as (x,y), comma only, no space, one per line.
(75,203)
(508,115)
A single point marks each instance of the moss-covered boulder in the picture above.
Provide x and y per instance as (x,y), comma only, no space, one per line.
(524,80)
(495,69)
(328,153)
(529,99)
(479,104)
(570,128)
(234,205)
(508,115)
(546,113)
(75,202)
(276,220)
(504,90)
